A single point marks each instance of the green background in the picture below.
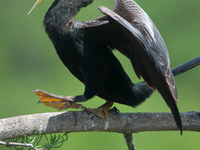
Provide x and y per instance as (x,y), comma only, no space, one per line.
(28,61)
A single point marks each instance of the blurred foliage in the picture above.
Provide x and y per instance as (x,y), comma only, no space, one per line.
(28,61)
(51,141)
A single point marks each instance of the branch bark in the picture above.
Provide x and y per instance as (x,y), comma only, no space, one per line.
(80,121)
(13,144)
(129,141)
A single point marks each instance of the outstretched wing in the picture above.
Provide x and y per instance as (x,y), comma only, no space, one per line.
(139,25)
(130,30)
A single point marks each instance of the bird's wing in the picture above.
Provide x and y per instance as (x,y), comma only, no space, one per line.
(146,39)
(130,30)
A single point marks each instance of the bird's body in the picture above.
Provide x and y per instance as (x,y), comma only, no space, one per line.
(91,62)
(86,50)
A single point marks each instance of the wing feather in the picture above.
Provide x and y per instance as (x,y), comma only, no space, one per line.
(137,17)
(130,30)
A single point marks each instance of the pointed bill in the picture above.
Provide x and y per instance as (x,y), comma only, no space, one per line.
(38,1)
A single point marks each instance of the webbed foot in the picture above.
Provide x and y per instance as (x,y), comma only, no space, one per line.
(58,102)
(101,111)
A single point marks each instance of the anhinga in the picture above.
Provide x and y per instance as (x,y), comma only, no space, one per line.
(85,48)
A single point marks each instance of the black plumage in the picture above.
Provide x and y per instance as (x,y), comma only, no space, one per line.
(85,48)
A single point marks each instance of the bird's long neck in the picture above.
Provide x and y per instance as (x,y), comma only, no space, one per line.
(62,11)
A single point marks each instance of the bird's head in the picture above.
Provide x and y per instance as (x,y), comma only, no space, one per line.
(38,1)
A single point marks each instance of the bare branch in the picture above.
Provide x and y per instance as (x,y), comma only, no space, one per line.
(13,144)
(129,141)
(80,121)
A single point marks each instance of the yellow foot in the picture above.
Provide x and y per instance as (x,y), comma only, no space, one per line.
(101,111)
(57,101)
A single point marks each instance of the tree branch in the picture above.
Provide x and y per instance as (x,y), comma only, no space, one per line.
(13,144)
(80,121)
(129,141)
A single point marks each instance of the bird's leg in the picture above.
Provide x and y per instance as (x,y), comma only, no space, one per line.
(102,111)
(58,101)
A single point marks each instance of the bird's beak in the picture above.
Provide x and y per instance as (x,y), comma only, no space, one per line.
(38,1)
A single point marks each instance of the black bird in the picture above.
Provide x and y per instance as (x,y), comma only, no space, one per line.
(85,48)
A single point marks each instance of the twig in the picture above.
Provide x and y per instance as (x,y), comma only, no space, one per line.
(129,141)
(14,144)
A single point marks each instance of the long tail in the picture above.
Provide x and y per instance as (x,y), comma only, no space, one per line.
(186,66)
(142,91)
